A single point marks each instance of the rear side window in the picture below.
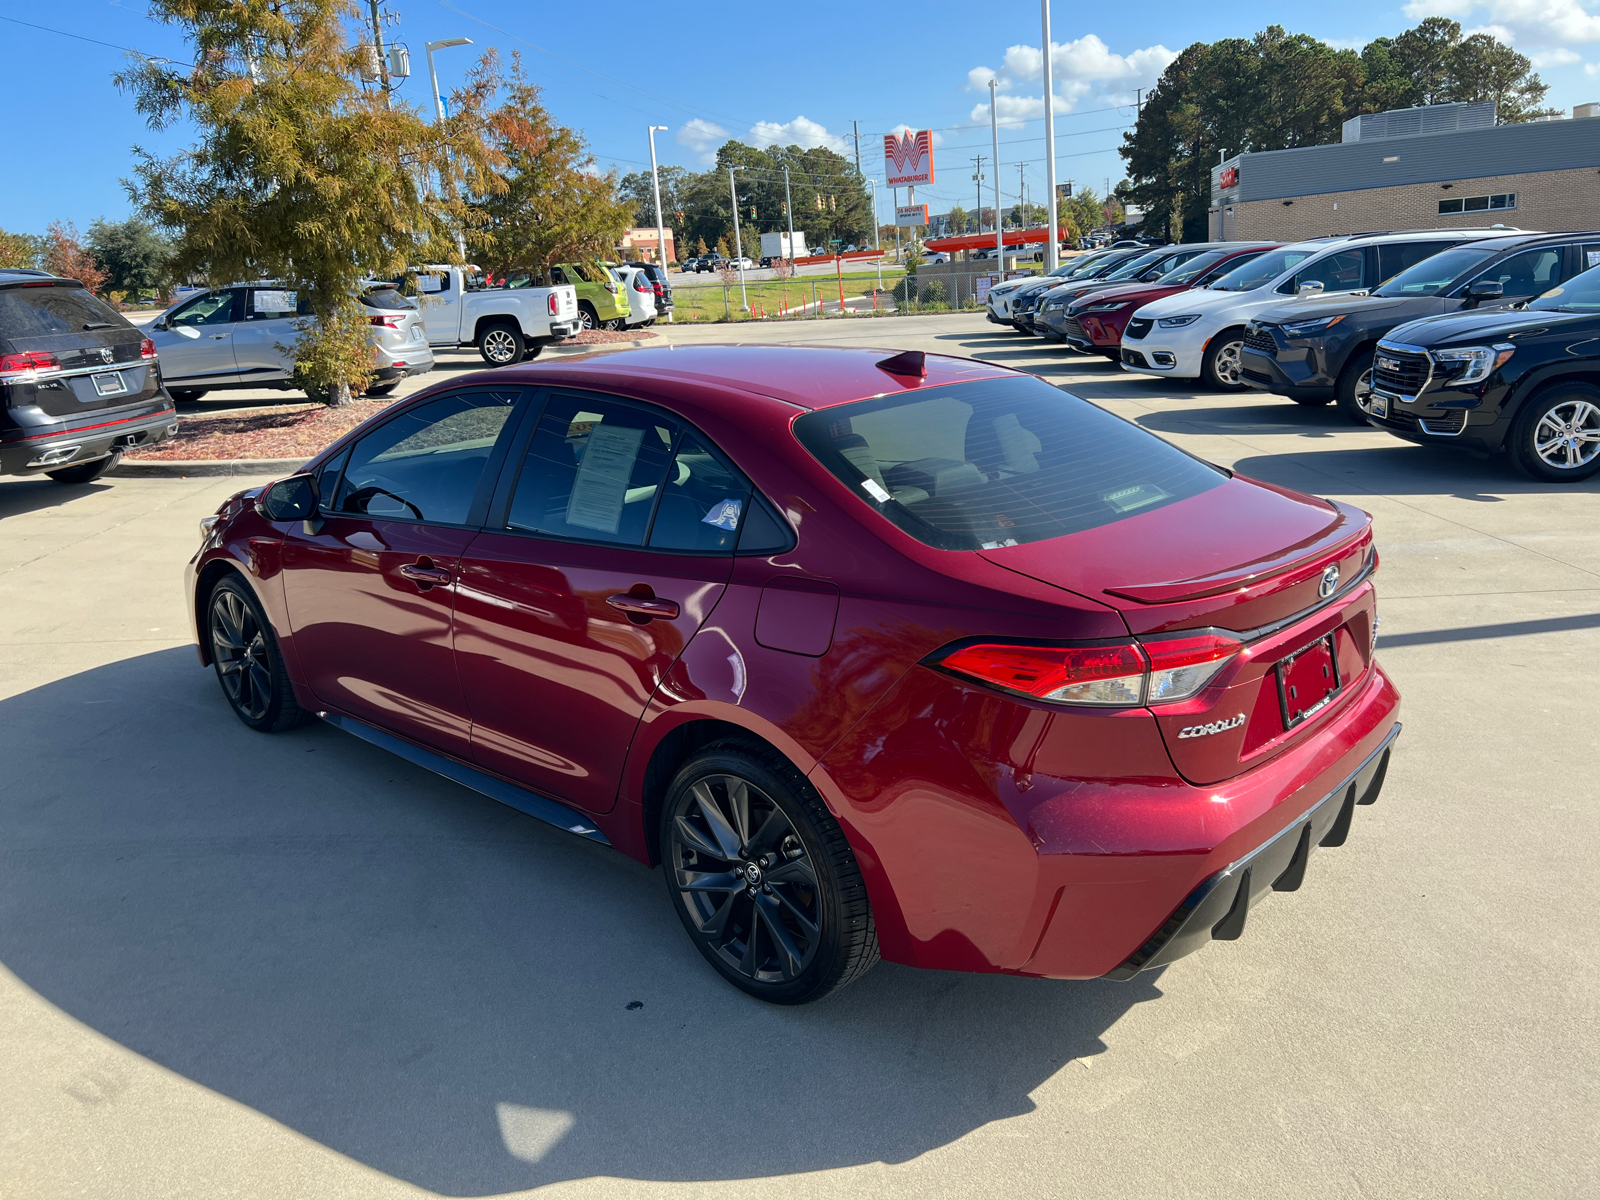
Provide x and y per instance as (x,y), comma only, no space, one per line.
(702,502)
(1002,462)
(1401,256)
(28,314)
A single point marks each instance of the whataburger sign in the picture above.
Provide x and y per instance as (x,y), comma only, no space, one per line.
(908,158)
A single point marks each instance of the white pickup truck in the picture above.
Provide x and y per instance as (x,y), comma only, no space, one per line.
(507,326)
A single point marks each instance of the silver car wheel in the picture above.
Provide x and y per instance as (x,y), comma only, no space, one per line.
(499,346)
(1568,436)
(1227,363)
(1364,389)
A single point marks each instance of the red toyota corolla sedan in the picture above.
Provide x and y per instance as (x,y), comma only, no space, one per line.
(919,657)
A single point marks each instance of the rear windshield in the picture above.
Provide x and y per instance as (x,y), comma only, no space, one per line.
(29,314)
(1437,271)
(1001,462)
(1262,271)
(385,296)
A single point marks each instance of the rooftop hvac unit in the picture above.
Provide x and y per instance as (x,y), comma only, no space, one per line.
(1586,110)
(1431,118)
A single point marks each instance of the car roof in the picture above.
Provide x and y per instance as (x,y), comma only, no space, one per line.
(808,377)
(16,275)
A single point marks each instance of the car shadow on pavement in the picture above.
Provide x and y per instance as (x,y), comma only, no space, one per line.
(18,496)
(1395,468)
(442,988)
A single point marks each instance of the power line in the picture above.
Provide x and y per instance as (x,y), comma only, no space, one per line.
(96,41)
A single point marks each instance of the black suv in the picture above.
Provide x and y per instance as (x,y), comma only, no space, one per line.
(1527,381)
(657,274)
(78,383)
(1320,349)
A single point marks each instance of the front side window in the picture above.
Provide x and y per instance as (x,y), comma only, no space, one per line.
(1138,265)
(1001,462)
(426,464)
(1436,272)
(1339,272)
(1526,274)
(213,308)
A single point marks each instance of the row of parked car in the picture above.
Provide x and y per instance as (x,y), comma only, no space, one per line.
(1476,337)
(81,384)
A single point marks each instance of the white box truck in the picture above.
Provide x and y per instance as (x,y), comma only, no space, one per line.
(776,245)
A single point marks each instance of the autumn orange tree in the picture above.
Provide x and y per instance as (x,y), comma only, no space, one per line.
(299,172)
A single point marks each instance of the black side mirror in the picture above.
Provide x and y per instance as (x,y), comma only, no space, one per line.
(292,499)
(1483,289)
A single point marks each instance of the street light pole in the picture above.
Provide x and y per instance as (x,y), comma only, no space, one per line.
(1052,249)
(788,207)
(999,237)
(661,228)
(433,74)
(738,244)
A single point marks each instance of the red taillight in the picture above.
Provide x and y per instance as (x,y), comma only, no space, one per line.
(388,322)
(28,362)
(656,288)
(555,304)
(147,349)
(1072,674)
(1123,674)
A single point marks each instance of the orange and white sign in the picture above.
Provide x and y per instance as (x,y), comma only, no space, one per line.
(908,158)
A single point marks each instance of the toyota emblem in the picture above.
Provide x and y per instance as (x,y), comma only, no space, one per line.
(1330,582)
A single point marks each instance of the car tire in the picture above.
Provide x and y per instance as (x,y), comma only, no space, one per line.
(533,350)
(616,326)
(1565,420)
(382,390)
(1219,367)
(248,663)
(1355,382)
(186,395)
(761,876)
(587,317)
(501,344)
(86,472)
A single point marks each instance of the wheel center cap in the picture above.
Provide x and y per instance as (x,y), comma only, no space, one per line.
(752,874)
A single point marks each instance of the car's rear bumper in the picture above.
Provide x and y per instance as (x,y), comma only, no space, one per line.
(36,449)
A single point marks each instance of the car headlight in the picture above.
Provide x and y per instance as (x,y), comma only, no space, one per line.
(1309,328)
(1178,322)
(1108,306)
(1475,363)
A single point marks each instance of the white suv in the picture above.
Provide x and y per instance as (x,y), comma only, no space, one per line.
(1198,334)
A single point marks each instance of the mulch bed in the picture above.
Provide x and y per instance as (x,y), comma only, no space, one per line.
(297,431)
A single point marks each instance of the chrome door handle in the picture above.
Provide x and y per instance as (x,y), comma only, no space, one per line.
(647,607)
(217,337)
(424,575)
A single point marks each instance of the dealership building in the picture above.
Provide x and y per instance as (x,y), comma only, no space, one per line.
(1445,166)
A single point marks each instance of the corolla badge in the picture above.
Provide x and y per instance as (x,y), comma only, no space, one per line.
(1227,723)
(1330,582)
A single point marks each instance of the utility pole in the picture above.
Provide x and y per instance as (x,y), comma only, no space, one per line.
(1052,253)
(377,46)
(738,245)
(788,207)
(999,235)
(872,187)
(977,178)
(855,132)
(661,227)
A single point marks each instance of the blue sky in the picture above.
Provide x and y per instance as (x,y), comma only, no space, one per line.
(725,70)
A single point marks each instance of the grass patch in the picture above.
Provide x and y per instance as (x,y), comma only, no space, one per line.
(705,302)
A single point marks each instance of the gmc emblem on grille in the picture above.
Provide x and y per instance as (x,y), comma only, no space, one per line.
(1388,364)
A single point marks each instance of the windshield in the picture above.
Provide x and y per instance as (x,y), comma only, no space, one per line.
(1434,273)
(1580,294)
(1262,271)
(1129,269)
(1000,462)
(384,296)
(1199,266)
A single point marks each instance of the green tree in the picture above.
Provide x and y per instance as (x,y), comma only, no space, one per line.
(298,171)
(22,250)
(638,189)
(547,202)
(959,220)
(1484,69)
(132,253)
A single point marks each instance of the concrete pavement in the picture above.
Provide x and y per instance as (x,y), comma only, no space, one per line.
(296,966)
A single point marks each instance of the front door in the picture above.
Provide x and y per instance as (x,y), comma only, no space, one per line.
(195,344)
(605,552)
(371,593)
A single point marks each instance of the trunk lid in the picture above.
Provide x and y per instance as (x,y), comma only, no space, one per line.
(1271,566)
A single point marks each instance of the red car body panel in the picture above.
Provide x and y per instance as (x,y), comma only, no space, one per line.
(1104,330)
(994,832)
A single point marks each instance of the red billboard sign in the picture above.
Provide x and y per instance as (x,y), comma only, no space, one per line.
(908,158)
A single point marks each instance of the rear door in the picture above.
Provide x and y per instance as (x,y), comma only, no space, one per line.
(608,545)
(264,339)
(195,343)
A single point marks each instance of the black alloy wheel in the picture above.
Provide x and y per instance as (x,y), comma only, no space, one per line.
(86,472)
(245,655)
(1355,388)
(762,877)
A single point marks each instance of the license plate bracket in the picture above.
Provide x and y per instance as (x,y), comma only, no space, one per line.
(1378,404)
(110,383)
(1308,680)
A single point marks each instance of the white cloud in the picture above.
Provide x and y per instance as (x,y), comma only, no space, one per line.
(1082,70)
(1540,24)
(1554,58)
(802,132)
(1591,68)
(703,137)
(897,130)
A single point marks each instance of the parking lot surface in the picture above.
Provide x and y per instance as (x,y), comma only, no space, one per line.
(296,966)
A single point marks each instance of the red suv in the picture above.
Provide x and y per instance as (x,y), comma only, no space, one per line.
(912,656)
(1094,324)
